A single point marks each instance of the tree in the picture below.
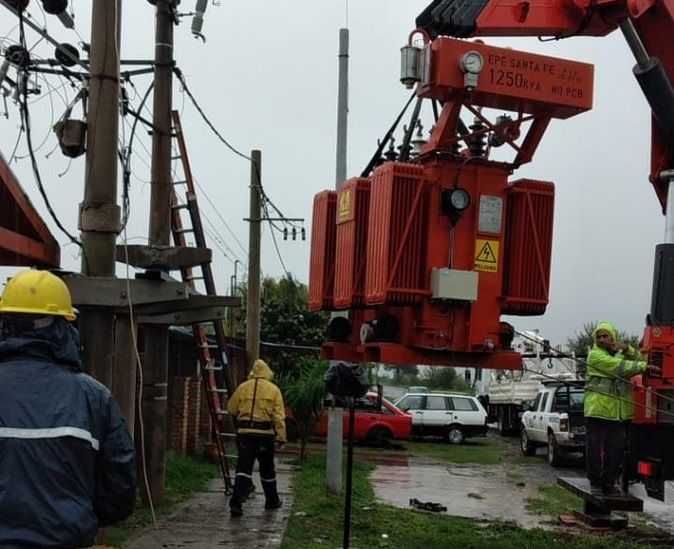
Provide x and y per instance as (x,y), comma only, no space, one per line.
(303,391)
(582,341)
(284,314)
(403,374)
(438,377)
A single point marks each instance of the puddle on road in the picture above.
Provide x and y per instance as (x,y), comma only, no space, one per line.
(473,491)
(490,492)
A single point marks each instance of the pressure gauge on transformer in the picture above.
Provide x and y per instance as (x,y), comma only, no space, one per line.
(472,62)
(459,199)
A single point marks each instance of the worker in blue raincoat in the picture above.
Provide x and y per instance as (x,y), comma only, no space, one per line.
(67,463)
(609,405)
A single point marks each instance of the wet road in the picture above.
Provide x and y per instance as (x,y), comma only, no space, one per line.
(490,492)
(203,522)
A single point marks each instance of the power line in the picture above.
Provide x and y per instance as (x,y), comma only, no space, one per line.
(23,104)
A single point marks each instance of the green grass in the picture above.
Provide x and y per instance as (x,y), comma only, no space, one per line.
(482,450)
(553,501)
(316,522)
(184,477)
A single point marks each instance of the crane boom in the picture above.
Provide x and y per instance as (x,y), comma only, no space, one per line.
(646,24)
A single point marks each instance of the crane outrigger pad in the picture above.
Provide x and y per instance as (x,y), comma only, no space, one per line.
(598,509)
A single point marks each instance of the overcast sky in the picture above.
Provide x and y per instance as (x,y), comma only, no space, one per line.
(267,78)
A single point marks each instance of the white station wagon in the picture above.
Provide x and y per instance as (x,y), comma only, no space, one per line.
(455,417)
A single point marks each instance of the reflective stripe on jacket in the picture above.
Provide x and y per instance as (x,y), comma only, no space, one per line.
(67,461)
(257,404)
(608,392)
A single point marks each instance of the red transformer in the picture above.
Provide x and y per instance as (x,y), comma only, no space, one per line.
(429,253)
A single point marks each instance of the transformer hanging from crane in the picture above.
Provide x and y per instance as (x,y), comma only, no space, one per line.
(426,255)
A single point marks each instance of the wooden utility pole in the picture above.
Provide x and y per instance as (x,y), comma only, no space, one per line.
(253,301)
(156,337)
(99,214)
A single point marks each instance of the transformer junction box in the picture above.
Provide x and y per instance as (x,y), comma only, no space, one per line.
(454,284)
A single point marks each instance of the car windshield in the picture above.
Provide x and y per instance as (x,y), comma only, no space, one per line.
(410,402)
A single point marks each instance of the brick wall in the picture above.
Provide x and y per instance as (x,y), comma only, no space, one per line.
(184,414)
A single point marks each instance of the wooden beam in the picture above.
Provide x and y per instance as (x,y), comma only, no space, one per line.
(163,258)
(113,292)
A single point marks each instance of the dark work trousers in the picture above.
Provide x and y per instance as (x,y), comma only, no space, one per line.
(251,447)
(604,448)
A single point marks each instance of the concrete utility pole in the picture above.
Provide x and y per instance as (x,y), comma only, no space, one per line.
(342,106)
(333,462)
(253,299)
(99,214)
(159,232)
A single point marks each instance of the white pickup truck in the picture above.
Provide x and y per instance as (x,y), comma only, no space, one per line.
(556,420)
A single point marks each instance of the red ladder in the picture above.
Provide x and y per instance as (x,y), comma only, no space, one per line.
(212,357)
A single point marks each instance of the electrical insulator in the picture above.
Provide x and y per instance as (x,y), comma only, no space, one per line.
(54,7)
(67,55)
(294,233)
(198,21)
(18,5)
(285,233)
(14,56)
(476,144)
(58,8)
(391,153)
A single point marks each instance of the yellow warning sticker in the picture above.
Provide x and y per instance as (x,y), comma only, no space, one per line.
(486,255)
(344,210)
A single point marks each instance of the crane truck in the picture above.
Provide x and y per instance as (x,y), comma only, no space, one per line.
(648,26)
(424,254)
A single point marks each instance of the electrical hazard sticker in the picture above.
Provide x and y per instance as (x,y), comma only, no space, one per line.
(486,255)
(344,210)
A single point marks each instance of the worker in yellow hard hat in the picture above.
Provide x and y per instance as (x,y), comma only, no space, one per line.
(68,461)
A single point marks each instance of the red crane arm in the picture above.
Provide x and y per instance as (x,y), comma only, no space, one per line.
(647,24)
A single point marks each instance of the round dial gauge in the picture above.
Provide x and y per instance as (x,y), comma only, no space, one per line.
(459,199)
(472,62)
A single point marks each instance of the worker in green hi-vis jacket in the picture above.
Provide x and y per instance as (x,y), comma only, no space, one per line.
(609,406)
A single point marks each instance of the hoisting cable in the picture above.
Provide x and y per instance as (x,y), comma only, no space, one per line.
(581,384)
(377,155)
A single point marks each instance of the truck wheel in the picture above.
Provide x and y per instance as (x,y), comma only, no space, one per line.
(554,451)
(502,423)
(455,434)
(528,448)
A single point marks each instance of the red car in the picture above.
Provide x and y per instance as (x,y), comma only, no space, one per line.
(371,424)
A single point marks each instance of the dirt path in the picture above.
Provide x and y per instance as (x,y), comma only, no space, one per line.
(203,522)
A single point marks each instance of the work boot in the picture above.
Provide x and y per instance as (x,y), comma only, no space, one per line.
(273,504)
(235,509)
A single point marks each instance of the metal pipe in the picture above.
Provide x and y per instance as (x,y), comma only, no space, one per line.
(635,43)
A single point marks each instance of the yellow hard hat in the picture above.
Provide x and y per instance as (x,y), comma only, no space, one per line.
(37,293)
